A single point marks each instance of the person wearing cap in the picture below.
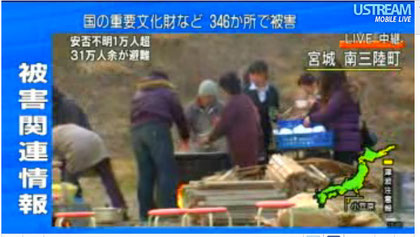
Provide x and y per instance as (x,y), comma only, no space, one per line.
(202,115)
(155,107)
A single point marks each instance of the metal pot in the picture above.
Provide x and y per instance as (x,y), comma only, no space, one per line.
(108,215)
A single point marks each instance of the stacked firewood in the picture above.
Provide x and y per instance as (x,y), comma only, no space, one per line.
(238,190)
(293,177)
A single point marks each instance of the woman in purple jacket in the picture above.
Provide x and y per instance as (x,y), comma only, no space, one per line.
(339,111)
(239,122)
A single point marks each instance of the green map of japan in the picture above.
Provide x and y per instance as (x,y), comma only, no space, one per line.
(356,182)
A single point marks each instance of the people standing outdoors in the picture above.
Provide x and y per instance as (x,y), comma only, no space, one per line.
(239,123)
(67,111)
(155,107)
(265,97)
(339,111)
(203,114)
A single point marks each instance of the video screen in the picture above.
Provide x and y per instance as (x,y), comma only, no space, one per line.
(260,118)
(234,121)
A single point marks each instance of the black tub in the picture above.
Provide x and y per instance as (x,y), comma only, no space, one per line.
(196,165)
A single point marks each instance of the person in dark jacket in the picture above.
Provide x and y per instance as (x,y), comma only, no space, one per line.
(66,111)
(340,112)
(155,107)
(265,97)
(239,123)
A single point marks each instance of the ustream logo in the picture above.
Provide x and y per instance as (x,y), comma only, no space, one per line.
(382,9)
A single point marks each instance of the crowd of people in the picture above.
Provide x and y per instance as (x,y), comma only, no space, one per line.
(230,115)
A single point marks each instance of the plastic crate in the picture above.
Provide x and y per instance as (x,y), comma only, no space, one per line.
(302,141)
